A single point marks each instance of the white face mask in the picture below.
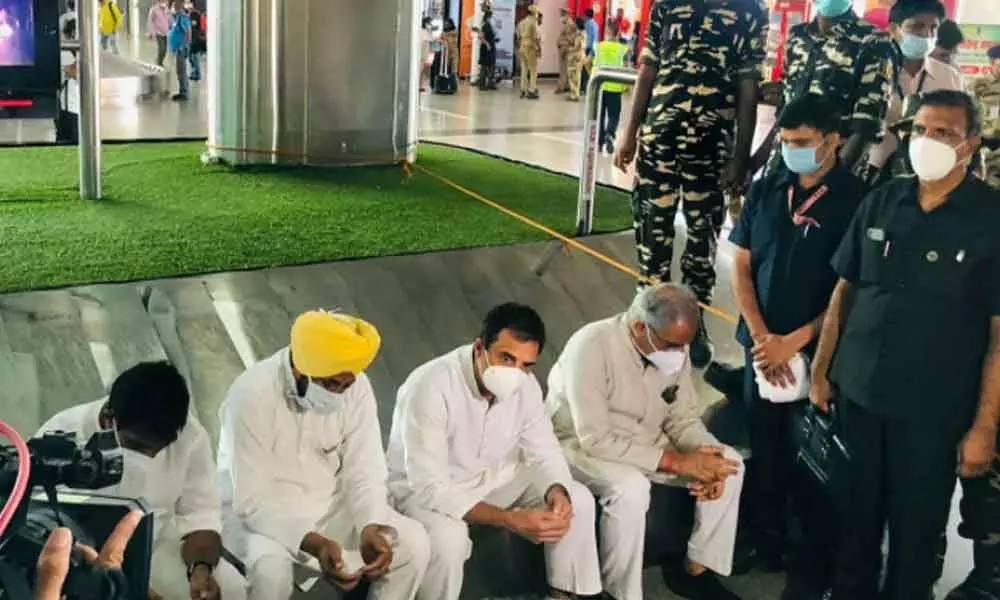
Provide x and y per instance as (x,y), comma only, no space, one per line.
(669,362)
(502,382)
(319,399)
(932,160)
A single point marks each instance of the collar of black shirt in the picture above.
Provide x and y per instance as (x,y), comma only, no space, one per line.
(968,194)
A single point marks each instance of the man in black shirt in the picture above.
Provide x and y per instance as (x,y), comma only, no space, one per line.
(790,227)
(911,344)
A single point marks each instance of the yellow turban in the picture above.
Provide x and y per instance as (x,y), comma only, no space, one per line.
(325,344)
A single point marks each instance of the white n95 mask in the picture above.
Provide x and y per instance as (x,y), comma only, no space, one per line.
(669,362)
(502,382)
(319,399)
(932,160)
(781,395)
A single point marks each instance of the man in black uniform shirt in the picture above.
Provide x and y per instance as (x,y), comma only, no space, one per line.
(790,227)
(913,335)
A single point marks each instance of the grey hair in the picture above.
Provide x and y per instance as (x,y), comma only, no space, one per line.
(665,304)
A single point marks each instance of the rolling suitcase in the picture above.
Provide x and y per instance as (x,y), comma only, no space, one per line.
(445,82)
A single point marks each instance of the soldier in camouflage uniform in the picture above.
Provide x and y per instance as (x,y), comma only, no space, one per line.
(576,56)
(566,35)
(845,58)
(987,92)
(699,76)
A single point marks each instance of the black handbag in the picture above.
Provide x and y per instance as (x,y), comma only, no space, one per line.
(820,451)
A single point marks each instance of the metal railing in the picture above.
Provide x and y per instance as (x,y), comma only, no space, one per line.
(588,164)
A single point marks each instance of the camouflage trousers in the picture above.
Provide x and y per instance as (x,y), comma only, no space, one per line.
(980,511)
(692,184)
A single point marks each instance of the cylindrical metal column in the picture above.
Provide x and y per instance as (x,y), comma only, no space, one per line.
(313,82)
(89,78)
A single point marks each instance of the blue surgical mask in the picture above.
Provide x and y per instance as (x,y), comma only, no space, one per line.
(915,47)
(801,161)
(833,8)
(319,400)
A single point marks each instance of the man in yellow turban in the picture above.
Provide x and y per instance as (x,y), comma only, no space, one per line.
(303,473)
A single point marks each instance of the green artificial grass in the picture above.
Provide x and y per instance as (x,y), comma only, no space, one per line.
(168,215)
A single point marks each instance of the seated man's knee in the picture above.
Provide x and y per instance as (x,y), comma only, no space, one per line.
(232,585)
(627,494)
(449,541)
(271,576)
(413,547)
(583,502)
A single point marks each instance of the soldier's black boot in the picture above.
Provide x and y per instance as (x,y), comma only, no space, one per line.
(983,583)
(701,347)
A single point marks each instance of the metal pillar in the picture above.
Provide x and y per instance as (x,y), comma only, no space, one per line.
(89,79)
(591,145)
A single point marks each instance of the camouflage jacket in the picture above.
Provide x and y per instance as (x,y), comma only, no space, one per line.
(987,92)
(576,55)
(566,35)
(701,52)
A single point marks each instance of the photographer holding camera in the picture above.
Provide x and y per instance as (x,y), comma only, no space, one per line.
(54,561)
(168,463)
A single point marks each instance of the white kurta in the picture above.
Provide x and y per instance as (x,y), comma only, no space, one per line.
(181,490)
(286,472)
(449,449)
(615,414)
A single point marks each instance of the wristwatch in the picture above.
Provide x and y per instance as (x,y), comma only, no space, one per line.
(199,563)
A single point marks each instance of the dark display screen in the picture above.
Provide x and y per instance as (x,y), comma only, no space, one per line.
(17,33)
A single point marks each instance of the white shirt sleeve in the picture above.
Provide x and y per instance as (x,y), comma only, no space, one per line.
(540,448)
(587,385)
(199,507)
(247,438)
(684,425)
(364,472)
(425,450)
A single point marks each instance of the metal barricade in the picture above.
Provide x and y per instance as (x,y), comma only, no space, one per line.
(591,146)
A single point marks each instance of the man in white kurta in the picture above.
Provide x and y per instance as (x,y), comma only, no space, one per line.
(177,478)
(303,473)
(626,413)
(471,443)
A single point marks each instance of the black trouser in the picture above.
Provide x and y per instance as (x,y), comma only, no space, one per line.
(161,49)
(903,475)
(780,488)
(611,113)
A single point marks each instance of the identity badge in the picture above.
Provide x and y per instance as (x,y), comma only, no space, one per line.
(876,234)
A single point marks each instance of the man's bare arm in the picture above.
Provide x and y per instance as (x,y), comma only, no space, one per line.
(833,323)
(988,415)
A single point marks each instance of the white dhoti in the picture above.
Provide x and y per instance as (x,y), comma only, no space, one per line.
(623,492)
(272,572)
(571,565)
(168,573)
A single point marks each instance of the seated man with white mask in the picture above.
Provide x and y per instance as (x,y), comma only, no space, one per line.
(471,444)
(625,410)
(167,462)
(302,469)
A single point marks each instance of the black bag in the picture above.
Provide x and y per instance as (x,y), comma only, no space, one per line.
(820,451)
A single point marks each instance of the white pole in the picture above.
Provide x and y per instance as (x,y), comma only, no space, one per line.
(89,77)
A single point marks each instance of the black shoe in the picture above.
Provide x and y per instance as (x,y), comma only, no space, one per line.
(179,97)
(533,95)
(523,94)
(706,586)
(977,586)
(701,347)
(727,379)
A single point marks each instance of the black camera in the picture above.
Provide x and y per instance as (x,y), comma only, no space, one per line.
(57,461)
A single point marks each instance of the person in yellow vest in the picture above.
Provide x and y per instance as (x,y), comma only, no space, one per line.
(576,57)
(612,52)
(529,49)
(566,35)
(109,18)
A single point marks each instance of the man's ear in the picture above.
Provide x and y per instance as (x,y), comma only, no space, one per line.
(895,32)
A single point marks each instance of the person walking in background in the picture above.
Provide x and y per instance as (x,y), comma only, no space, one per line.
(158,26)
(593,32)
(198,40)
(179,42)
(109,19)
(566,36)
(696,92)
(949,38)
(529,50)
(611,53)
(487,50)
(576,56)
(987,92)
(66,18)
